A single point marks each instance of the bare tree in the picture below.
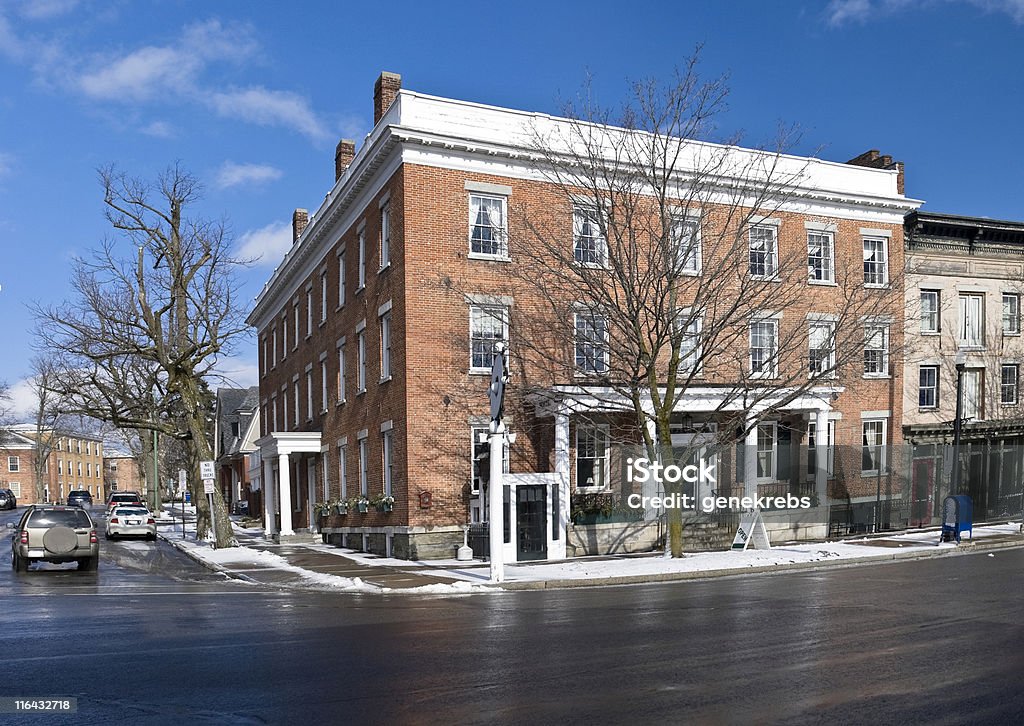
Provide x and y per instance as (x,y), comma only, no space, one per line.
(49,416)
(145,331)
(675,253)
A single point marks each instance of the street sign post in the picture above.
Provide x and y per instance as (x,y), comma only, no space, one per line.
(496,394)
(207,471)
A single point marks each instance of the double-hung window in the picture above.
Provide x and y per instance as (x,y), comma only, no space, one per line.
(309,395)
(323,296)
(488,233)
(876,261)
(591,457)
(385,235)
(1009,384)
(764,251)
(589,244)
(343,470)
(364,466)
(821,256)
(323,384)
(1011,313)
(767,455)
(928,387)
(812,448)
(361,271)
(309,316)
(764,337)
(876,350)
(972,321)
(688,327)
(387,458)
(488,326)
(361,359)
(341,279)
(872,446)
(822,349)
(686,238)
(385,345)
(14,464)
(341,372)
(930,321)
(591,342)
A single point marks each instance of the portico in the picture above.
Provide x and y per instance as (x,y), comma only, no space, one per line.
(280,452)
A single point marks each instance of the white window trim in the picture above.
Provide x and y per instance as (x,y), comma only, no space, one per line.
(684,218)
(486,370)
(361,257)
(830,363)
(938,310)
(1016,384)
(384,322)
(774,256)
(604,345)
(884,239)
(920,369)
(773,359)
(831,278)
(503,252)
(578,210)
(882,454)
(773,474)
(1013,333)
(886,351)
(603,431)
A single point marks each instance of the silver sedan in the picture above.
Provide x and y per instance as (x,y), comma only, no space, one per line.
(127,521)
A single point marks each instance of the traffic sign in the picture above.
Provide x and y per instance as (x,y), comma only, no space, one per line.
(182,480)
(206,470)
(207,486)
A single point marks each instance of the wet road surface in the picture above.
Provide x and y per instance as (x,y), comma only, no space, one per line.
(154,638)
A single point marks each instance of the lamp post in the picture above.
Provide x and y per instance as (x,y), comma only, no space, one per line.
(961,365)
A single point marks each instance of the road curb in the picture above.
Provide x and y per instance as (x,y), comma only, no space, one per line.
(826,564)
(212,566)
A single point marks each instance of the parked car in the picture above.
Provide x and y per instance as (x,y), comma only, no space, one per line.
(127,520)
(54,534)
(7,499)
(79,498)
(119,498)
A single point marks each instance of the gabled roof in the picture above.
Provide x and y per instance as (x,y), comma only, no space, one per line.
(13,440)
(235,406)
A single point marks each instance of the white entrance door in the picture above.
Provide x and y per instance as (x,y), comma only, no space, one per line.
(692,449)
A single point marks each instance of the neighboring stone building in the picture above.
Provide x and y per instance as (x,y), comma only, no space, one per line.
(965,279)
(236,430)
(373,371)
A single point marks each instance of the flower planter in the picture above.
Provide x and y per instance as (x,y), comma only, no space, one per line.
(341,509)
(386,508)
(363,507)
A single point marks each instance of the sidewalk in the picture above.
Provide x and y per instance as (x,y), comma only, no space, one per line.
(314,565)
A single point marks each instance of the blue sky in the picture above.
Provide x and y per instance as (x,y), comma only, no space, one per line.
(252,99)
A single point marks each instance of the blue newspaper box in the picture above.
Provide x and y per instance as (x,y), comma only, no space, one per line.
(956,517)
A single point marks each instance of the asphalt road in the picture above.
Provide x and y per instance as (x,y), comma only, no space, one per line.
(153,638)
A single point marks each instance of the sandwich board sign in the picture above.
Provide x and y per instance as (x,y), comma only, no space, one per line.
(751,532)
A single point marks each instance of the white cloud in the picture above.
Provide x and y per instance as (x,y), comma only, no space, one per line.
(6,164)
(231,174)
(142,75)
(270,108)
(844,12)
(45,9)
(267,245)
(158,129)
(240,372)
(179,71)
(22,401)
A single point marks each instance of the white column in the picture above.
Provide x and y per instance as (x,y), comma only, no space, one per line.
(562,469)
(310,491)
(821,457)
(268,496)
(750,457)
(285,487)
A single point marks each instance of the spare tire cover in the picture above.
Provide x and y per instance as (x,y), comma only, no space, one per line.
(60,540)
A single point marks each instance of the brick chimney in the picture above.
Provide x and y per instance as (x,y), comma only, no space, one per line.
(876,160)
(384,92)
(343,155)
(300,218)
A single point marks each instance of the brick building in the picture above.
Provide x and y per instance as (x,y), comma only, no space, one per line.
(373,363)
(75,462)
(122,473)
